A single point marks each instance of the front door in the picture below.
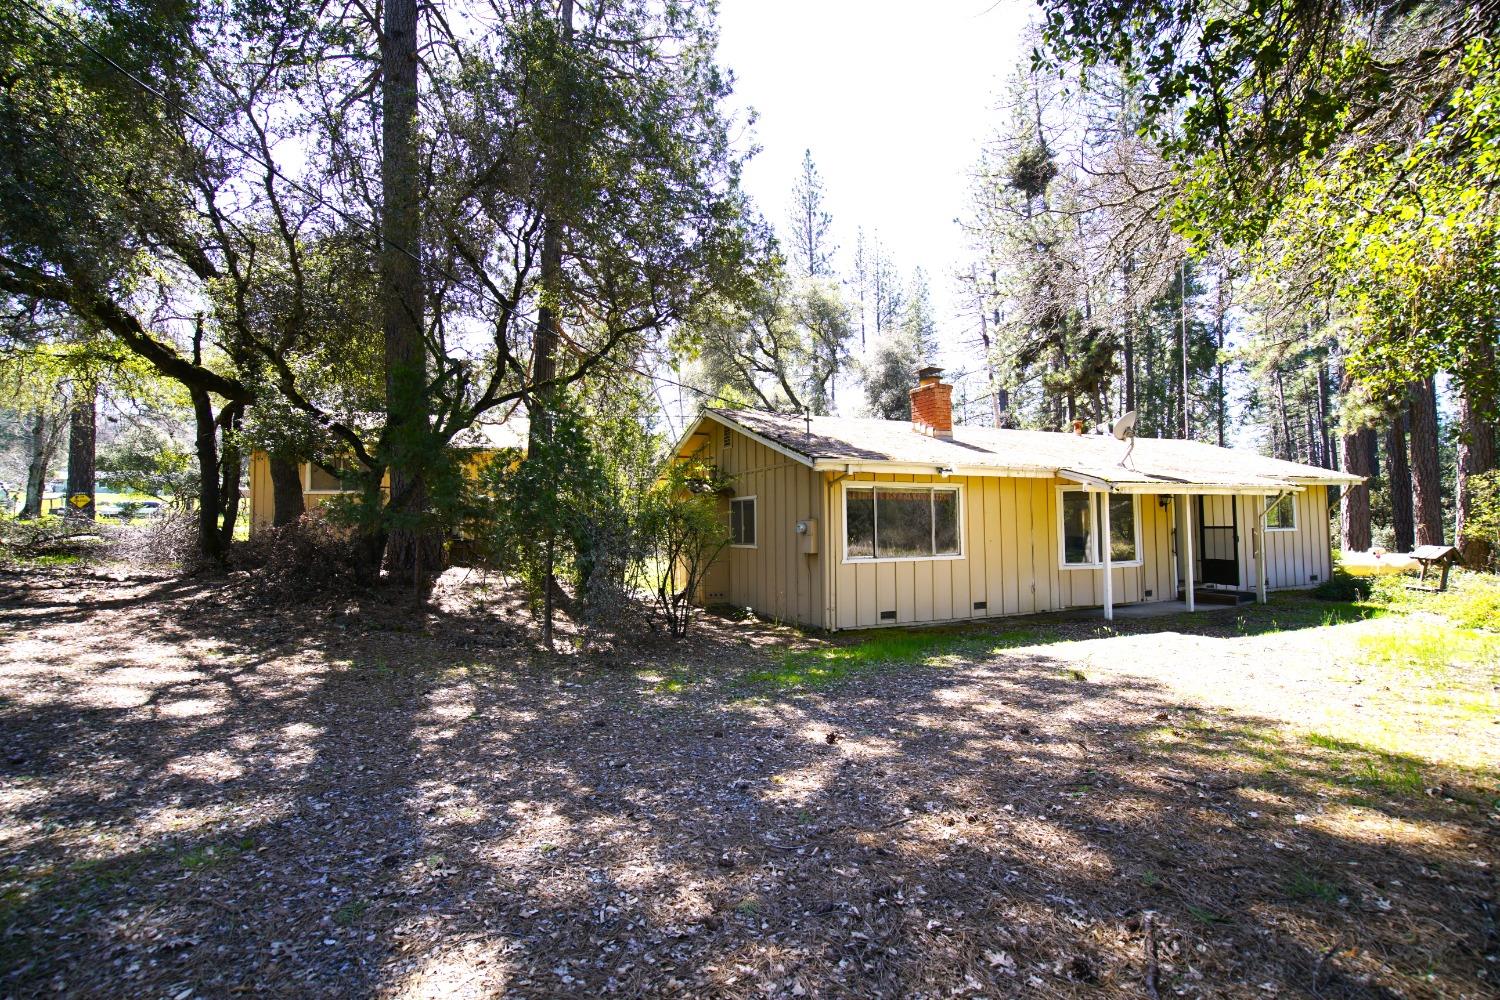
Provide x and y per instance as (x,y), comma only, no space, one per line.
(1218,540)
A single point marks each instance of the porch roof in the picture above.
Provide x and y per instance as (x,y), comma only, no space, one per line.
(1154,465)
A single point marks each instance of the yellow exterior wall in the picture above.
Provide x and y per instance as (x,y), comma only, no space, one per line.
(1293,558)
(263,497)
(262,500)
(1010,560)
(1300,558)
(776,577)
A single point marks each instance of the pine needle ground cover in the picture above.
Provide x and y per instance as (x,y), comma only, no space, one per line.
(205,796)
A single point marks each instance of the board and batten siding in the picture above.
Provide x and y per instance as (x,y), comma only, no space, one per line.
(1010,560)
(775,578)
(262,499)
(1300,558)
(1293,558)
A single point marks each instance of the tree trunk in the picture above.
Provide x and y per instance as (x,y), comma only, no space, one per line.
(286,492)
(413,545)
(1398,480)
(1476,454)
(1355,509)
(81,437)
(548,326)
(229,471)
(206,443)
(1427,504)
(41,444)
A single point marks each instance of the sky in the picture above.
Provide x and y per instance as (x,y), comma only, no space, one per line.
(894,100)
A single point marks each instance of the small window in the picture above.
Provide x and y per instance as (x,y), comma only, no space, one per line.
(1081,513)
(901,522)
(742,522)
(1282,515)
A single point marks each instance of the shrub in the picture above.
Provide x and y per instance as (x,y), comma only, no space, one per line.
(1343,586)
(682,532)
(1476,603)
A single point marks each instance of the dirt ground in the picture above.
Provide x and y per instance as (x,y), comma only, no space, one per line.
(201,795)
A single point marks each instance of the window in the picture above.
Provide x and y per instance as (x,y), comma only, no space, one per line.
(742,522)
(1282,515)
(322,479)
(901,522)
(1081,513)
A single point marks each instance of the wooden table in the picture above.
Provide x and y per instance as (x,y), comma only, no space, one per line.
(1440,555)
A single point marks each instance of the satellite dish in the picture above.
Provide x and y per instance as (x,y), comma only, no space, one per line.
(1125,426)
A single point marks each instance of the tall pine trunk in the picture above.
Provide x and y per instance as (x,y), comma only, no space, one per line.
(286,492)
(1398,481)
(1427,505)
(414,547)
(1476,454)
(82,415)
(1354,506)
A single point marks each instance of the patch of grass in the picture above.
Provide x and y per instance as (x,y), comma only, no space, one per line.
(1206,916)
(818,667)
(206,856)
(350,912)
(1430,649)
(1472,600)
(1306,886)
(1362,767)
(675,679)
(51,560)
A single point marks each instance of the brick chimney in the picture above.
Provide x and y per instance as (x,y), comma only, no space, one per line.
(932,404)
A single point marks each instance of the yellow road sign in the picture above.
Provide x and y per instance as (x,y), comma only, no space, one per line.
(80,500)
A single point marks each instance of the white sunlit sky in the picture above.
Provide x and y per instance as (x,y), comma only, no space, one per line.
(894,99)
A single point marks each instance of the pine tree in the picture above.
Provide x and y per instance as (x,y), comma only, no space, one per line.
(812,245)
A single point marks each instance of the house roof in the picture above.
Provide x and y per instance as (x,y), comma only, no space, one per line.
(1153,465)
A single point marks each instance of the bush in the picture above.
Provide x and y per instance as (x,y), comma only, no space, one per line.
(1476,603)
(1343,586)
(681,531)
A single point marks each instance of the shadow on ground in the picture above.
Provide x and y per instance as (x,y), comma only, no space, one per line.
(202,797)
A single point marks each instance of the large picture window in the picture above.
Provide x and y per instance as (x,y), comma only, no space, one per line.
(1081,516)
(742,522)
(902,521)
(1282,515)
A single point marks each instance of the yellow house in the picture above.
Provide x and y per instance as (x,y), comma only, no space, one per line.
(845,523)
(320,483)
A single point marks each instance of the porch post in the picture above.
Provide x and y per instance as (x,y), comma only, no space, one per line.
(1187,548)
(1260,551)
(1104,538)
